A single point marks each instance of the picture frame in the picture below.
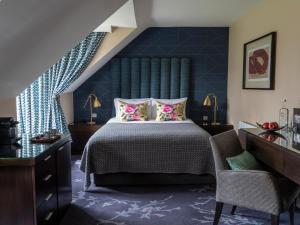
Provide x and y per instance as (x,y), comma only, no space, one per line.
(259,63)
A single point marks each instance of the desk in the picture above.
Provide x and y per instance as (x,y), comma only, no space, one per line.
(281,153)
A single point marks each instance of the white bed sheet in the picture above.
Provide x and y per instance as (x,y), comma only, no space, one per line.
(116,120)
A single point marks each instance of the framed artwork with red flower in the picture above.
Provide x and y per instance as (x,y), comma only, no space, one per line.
(259,63)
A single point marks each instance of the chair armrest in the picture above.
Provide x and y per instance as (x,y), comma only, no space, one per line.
(249,188)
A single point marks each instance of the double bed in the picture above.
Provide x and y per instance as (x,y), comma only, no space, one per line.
(149,147)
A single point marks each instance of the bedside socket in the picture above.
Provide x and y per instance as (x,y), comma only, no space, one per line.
(94,115)
(205,120)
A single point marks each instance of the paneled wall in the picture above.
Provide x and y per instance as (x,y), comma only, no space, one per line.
(207,48)
(161,78)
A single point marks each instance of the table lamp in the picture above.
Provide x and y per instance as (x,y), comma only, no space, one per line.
(94,103)
(208,102)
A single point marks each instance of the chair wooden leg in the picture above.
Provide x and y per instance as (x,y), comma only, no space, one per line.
(291,211)
(218,212)
(275,219)
(233,210)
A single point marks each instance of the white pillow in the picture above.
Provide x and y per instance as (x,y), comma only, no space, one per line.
(133,101)
(166,101)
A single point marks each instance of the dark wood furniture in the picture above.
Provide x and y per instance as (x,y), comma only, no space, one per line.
(80,134)
(35,180)
(282,154)
(216,129)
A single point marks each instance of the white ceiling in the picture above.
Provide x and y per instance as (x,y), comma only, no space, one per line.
(168,13)
(35,34)
(123,17)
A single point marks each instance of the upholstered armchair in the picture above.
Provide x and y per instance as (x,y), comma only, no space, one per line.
(252,189)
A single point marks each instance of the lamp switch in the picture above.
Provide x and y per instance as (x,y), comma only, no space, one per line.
(94,115)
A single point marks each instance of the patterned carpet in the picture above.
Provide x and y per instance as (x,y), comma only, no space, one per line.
(163,205)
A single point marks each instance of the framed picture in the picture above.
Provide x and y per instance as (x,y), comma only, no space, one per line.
(259,63)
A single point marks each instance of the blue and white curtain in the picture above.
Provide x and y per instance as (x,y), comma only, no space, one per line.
(38,106)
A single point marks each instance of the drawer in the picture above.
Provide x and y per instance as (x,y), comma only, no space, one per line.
(45,179)
(47,214)
(45,193)
(45,186)
(51,221)
(45,167)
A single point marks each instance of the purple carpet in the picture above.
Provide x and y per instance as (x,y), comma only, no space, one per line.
(159,205)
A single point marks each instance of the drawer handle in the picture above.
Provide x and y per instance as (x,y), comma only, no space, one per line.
(48,177)
(61,148)
(49,197)
(47,158)
(48,217)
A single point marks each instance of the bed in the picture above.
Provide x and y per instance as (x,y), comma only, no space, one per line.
(148,149)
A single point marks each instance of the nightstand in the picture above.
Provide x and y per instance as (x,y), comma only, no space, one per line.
(216,129)
(80,133)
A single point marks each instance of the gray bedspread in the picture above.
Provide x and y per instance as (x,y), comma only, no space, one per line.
(148,148)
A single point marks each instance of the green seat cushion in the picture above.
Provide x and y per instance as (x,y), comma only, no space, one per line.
(243,161)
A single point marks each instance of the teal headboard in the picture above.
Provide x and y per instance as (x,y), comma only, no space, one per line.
(150,77)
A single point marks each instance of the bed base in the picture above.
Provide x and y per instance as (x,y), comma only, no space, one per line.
(120,179)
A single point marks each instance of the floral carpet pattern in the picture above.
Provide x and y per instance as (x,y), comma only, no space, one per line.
(149,205)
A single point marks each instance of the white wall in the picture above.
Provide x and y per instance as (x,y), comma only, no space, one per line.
(66,101)
(35,34)
(8,107)
(263,105)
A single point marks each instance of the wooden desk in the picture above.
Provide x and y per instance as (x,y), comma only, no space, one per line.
(281,154)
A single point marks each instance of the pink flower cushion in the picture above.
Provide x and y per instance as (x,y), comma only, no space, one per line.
(167,112)
(133,112)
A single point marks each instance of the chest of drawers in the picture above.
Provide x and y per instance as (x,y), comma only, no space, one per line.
(36,184)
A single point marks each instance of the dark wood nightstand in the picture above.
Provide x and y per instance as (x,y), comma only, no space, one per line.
(216,129)
(80,133)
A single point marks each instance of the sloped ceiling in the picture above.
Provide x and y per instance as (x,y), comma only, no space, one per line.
(123,17)
(34,34)
(37,33)
(170,13)
(215,13)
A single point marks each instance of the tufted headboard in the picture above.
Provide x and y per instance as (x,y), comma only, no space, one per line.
(150,77)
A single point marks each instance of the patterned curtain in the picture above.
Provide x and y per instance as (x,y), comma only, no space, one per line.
(38,106)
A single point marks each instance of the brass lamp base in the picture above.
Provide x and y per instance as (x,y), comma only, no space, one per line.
(215,124)
(91,123)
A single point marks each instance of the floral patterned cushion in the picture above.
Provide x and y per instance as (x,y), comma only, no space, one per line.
(165,112)
(133,112)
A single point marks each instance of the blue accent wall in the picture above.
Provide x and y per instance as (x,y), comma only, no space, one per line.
(206,47)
